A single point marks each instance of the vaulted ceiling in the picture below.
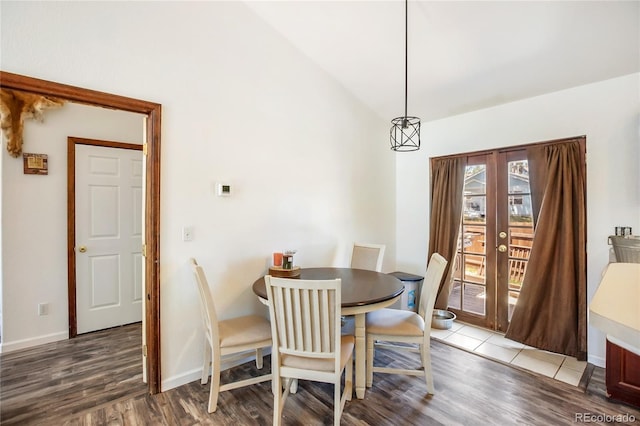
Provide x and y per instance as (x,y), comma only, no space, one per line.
(463,55)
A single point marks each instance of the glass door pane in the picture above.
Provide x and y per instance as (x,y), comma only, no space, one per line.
(471,286)
(520,228)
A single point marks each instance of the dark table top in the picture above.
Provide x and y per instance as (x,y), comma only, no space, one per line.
(359,287)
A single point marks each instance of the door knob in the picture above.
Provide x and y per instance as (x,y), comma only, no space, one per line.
(82,249)
(502,248)
(502,235)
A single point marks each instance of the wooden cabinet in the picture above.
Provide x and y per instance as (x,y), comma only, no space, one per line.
(623,375)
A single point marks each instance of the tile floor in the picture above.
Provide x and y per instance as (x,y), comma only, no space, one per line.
(494,345)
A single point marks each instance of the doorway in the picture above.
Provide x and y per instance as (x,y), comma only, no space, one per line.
(151,246)
(105,201)
(495,238)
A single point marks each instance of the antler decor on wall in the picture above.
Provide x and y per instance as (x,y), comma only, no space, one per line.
(15,107)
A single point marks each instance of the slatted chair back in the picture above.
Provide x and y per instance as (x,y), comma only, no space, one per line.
(430,286)
(208,309)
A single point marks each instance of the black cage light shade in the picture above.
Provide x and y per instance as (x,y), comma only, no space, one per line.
(405,134)
(405,130)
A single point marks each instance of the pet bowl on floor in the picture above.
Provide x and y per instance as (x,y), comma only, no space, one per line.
(442,319)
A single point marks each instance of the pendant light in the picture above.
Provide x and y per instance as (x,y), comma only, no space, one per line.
(405,130)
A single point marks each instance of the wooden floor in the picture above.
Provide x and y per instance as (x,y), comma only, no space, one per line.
(95,380)
(49,383)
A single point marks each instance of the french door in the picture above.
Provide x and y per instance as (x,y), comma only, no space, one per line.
(495,239)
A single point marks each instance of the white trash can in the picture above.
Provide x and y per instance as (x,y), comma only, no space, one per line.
(410,298)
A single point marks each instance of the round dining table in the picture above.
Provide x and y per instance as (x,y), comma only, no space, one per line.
(362,291)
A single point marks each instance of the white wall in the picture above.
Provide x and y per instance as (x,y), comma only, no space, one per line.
(34,221)
(309,165)
(608,113)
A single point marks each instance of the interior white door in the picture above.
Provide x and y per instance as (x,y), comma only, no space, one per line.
(109,236)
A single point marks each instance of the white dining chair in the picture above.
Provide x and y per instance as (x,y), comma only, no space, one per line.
(363,256)
(226,338)
(367,256)
(307,345)
(387,326)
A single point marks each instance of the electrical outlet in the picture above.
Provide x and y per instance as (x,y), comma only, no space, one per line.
(43,309)
(187,233)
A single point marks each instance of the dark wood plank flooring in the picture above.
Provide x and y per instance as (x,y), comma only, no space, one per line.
(48,383)
(470,390)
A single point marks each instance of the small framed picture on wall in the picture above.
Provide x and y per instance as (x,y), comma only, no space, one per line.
(35,164)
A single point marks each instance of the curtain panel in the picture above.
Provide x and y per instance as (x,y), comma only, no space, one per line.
(551,310)
(447,184)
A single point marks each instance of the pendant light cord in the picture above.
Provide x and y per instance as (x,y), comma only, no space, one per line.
(406,53)
(405,130)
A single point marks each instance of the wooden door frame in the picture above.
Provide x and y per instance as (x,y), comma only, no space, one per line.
(153,111)
(72,141)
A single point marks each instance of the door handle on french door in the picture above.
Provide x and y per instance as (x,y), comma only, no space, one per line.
(502,248)
(82,249)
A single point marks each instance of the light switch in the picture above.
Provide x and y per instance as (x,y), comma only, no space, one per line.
(187,233)
(43,309)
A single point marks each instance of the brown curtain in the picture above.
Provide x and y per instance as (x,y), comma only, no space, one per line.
(536,157)
(447,183)
(551,310)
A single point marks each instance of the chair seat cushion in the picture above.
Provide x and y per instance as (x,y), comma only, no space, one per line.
(320,364)
(243,330)
(395,322)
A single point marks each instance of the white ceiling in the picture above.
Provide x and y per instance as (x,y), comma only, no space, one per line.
(463,55)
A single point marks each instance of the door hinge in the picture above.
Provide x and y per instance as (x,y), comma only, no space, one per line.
(144,250)
(144,350)
(144,148)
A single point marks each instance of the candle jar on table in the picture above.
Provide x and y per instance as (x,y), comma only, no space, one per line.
(287,259)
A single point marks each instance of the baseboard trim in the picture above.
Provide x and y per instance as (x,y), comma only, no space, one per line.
(598,361)
(196,374)
(6,347)
(180,379)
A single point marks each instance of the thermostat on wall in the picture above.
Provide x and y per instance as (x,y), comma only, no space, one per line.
(223,189)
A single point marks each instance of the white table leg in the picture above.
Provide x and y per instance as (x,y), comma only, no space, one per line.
(361,351)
